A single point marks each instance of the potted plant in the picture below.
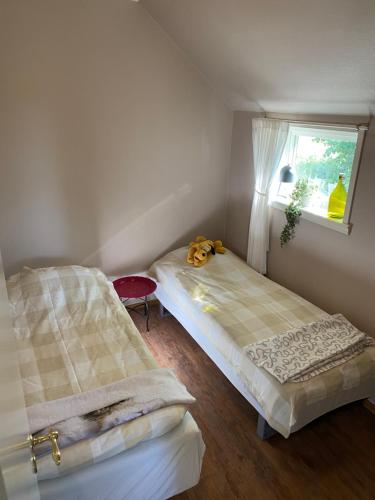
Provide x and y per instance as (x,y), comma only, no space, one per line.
(293,211)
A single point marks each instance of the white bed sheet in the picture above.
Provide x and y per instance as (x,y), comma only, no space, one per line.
(153,470)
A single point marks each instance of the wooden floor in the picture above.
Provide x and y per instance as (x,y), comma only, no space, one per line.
(331,458)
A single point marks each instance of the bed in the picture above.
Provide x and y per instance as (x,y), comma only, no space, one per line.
(74,338)
(225,306)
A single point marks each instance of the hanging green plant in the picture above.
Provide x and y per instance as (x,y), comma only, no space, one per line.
(293,211)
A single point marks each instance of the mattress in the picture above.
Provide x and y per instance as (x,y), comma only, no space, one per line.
(74,335)
(231,306)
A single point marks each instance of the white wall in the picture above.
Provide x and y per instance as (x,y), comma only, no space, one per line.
(241,182)
(113,147)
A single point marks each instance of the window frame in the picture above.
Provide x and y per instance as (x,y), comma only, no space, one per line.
(346,225)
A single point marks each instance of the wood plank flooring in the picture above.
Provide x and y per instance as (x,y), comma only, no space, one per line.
(332,458)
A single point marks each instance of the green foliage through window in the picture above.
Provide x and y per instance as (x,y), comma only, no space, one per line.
(337,158)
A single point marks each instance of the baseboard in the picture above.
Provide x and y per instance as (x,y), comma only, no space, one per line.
(151,299)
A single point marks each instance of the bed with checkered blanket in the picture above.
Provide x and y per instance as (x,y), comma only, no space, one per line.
(226,306)
(74,337)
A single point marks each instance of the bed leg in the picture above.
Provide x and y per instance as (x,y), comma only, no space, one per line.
(164,313)
(264,430)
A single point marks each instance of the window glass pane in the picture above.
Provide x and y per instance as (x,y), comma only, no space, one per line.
(319,155)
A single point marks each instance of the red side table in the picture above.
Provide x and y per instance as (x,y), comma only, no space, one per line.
(135,287)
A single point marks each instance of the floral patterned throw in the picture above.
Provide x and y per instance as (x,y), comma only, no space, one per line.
(304,352)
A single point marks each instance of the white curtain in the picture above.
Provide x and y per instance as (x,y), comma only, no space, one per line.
(269,138)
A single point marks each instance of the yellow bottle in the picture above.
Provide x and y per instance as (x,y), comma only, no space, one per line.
(337,200)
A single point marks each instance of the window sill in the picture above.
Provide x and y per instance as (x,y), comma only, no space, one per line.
(317,219)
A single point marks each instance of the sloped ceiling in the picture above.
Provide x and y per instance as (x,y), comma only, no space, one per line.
(297,56)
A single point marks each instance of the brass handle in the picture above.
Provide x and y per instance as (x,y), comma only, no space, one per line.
(32,441)
(56,454)
(52,436)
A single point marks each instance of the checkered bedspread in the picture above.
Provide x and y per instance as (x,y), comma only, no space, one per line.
(233,307)
(74,335)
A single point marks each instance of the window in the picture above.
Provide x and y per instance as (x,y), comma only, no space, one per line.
(320,154)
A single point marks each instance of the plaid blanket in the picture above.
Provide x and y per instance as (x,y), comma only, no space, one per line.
(74,335)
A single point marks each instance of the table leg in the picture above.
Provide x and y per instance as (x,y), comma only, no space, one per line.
(147,312)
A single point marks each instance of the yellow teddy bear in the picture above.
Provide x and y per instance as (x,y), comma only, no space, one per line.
(201,250)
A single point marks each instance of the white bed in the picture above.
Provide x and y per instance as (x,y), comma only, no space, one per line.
(153,470)
(225,305)
(74,336)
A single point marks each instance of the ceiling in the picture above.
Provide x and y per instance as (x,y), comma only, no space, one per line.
(296,56)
